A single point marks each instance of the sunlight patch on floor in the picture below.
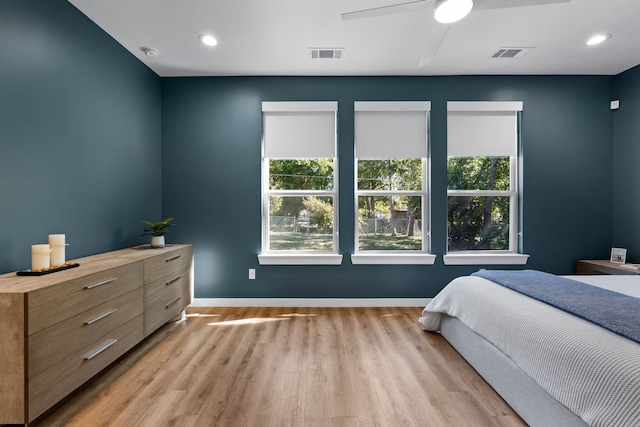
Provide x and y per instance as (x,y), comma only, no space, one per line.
(245,321)
(202,315)
(299,315)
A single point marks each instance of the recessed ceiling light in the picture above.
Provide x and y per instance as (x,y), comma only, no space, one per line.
(150,52)
(208,39)
(448,11)
(598,38)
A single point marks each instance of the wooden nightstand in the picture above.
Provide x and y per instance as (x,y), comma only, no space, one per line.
(596,266)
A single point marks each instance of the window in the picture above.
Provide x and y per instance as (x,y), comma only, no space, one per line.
(482,179)
(391,170)
(299,183)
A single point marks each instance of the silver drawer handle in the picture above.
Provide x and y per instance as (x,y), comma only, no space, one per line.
(172,259)
(104,282)
(173,281)
(101,316)
(100,349)
(172,302)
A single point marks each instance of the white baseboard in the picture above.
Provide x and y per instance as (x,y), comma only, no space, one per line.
(310,302)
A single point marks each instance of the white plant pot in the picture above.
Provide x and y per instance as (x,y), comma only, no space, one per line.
(157,241)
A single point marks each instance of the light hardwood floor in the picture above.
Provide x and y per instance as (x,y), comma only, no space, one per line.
(289,367)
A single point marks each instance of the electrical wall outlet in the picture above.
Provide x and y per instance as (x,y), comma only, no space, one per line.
(252,273)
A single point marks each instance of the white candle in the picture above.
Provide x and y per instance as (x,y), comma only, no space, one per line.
(40,257)
(57,243)
(57,256)
(56,240)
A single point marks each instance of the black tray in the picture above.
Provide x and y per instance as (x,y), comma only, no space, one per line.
(48,271)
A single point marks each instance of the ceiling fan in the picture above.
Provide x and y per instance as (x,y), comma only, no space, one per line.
(445,12)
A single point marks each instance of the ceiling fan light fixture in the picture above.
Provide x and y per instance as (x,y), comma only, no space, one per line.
(448,11)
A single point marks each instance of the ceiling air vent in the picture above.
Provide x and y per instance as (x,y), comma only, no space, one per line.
(511,52)
(322,53)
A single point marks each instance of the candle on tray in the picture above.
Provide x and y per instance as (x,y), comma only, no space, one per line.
(40,257)
(57,243)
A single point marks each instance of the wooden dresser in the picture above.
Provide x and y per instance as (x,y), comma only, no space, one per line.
(59,330)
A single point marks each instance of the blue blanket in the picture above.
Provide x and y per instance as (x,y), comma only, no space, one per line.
(616,312)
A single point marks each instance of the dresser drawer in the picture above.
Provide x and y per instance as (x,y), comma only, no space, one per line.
(51,345)
(53,304)
(171,261)
(164,300)
(165,288)
(52,385)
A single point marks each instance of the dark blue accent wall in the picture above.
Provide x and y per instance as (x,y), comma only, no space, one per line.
(79,134)
(626,164)
(92,141)
(211,131)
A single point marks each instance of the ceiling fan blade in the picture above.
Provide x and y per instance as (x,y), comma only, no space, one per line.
(410,6)
(503,4)
(438,33)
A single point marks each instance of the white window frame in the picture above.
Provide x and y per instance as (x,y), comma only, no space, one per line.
(274,257)
(391,256)
(512,256)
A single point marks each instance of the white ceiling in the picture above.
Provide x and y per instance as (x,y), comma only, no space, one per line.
(273,37)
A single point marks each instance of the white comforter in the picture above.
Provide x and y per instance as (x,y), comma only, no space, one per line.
(593,372)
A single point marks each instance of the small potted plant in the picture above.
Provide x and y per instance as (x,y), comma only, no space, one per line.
(157,230)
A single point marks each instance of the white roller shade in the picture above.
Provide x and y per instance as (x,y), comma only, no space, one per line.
(293,130)
(477,129)
(391,130)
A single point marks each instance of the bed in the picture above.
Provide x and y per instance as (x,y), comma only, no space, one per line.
(552,367)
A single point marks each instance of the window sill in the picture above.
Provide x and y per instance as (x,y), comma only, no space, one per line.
(300,259)
(423,259)
(485,259)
